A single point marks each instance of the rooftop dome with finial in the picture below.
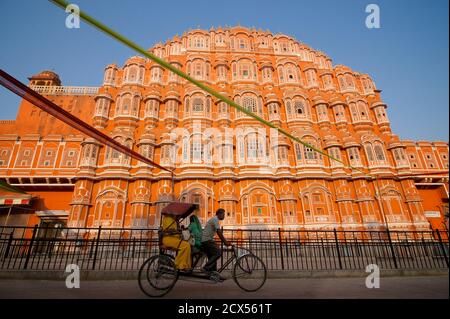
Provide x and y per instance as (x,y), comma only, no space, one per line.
(45,77)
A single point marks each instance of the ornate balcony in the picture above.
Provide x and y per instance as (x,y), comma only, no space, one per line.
(64,90)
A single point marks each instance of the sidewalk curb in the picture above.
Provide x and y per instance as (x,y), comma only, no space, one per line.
(275,274)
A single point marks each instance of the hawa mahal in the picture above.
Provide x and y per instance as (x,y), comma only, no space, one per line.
(220,156)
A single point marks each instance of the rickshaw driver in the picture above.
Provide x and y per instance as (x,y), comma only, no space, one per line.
(208,244)
(172,238)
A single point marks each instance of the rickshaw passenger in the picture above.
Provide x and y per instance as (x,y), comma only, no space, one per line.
(195,228)
(172,238)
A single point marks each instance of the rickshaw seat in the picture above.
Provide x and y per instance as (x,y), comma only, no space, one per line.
(163,247)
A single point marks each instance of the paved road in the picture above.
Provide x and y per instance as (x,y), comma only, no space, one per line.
(390,287)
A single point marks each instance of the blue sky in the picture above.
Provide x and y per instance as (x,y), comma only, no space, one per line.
(408,57)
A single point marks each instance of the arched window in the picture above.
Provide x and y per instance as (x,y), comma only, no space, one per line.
(399,155)
(102,107)
(156,74)
(311,77)
(339,113)
(110,76)
(291,73)
(362,109)
(198,70)
(227,154)
(186,105)
(173,77)
(115,157)
(380,113)
(298,152)
(367,85)
(220,39)
(151,108)
(353,155)
(147,151)
(197,105)
(126,104)
(369,152)
(267,74)
(221,72)
(135,106)
(199,42)
(342,83)
(246,70)
(379,153)
(168,153)
(223,107)
(299,108)
(288,107)
(87,151)
(249,103)
(283,153)
(208,106)
(172,108)
(322,112)
(242,44)
(336,153)
(132,74)
(354,112)
(281,74)
(252,147)
(284,46)
(349,80)
(273,108)
(309,153)
(263,41)
(327,81)
(196,151)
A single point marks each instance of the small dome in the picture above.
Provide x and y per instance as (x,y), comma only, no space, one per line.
(45,77)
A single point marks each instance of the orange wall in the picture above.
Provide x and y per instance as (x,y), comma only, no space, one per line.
(434,200)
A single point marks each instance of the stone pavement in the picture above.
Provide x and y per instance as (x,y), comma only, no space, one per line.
(428,287)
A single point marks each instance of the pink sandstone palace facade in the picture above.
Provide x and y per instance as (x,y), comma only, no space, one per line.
(221,157)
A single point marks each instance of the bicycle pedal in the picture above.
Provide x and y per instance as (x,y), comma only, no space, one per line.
(216,278)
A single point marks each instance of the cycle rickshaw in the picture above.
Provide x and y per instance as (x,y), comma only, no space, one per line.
(158,274)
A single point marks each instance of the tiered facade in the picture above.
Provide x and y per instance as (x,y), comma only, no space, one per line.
(221,157)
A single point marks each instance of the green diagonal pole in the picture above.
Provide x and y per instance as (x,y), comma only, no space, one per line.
(166,65)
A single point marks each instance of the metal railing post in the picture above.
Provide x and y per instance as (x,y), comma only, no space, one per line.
(442,246)
(392,247)
(337,247)
(221,250)
(8,247)
(96,247)
(30,247)
(281,248)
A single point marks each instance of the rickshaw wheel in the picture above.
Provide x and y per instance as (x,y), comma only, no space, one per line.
(157,275)
(249,273)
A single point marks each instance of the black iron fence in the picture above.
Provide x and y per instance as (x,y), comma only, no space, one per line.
(50,248)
